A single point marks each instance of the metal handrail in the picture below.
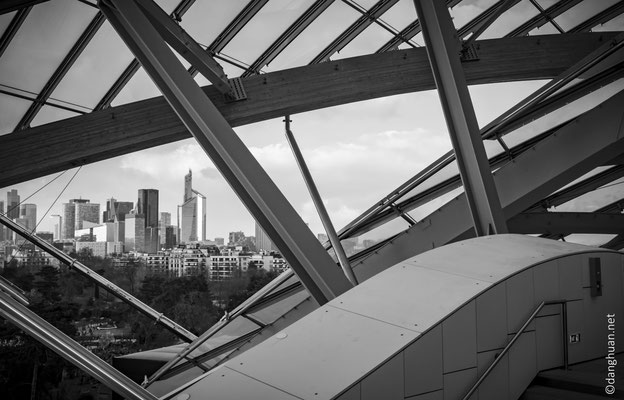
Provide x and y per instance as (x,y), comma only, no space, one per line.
(118,292)
(500,356)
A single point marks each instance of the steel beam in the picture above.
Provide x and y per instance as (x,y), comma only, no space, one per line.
(442,48)
(288,36)
(152,122)
(85,271)
(320,207)
(70,350)
(354,29)
(567,223)
(533,175)
(61,71)
(266,203)
(10,31)
(134,65)
(186,46)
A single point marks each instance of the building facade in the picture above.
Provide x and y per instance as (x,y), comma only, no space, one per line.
(192,220)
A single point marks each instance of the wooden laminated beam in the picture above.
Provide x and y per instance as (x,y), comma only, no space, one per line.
(115,131)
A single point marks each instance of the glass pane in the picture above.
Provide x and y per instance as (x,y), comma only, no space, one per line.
(44,39)
(274,18)
(273,311)
(546,29)
(565,113)
(106,57)
(140,87)
(168,5)
(13,108)
(367,42)
(50,114)
(511,19)
(547,3)
(616,24)
(589,239)
(400,15)
(207,19)
(465,12)
(315,37)
(581,12)
(427,209)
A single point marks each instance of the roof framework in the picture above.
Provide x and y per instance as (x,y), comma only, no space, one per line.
(396,66)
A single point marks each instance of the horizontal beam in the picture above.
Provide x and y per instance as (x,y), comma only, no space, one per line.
(136,126)
(567,223)
(565,156)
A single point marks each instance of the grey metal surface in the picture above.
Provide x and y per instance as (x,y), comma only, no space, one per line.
(254,187)
(442,48)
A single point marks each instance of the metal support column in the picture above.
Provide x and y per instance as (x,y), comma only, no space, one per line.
(320,207)
(85,271)
(443,49)
(317,271)
(66,347)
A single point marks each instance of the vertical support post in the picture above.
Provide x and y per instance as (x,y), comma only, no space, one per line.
(66,347)
(320,207)
(443,48)
(314,267)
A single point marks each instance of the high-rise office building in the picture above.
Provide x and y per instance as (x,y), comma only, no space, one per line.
(12,205)
(2,226)
(79,214)
(147,205)
(164,222)
(28,212)
(235,238)
(116,209)
(192,223)
(263,242)
(134,235)
(87,214)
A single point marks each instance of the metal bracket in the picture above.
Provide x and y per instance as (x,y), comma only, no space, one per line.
(470,53)
(238,92)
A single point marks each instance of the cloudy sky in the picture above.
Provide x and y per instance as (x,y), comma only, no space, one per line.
(357,153)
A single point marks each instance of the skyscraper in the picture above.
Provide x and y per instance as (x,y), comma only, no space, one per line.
(193,221)
(28,212)
(79,214)
(147,205)
(116,209)
(13,201)
(263,242)
(165,221)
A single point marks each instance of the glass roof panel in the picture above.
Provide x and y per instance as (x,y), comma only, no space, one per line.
(355,245)
(400,15)
(616,24)
(547,29)
(140,87)
(428,208)
(464,13)
(105,57)
(581,12)
(50,114)
(589,239)
(168,5)
(315,37)
(207,19)
(5,20)
(563,114)
(366,4)
(546,3)
(13,108)
(367,42)
(274,18)
(42,42)
(510,20)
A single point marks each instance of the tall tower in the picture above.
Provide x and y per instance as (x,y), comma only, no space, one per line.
(165,221)
(78,214)
(263,242)
(28,212)
(193,220)
(147,205)
(13,201)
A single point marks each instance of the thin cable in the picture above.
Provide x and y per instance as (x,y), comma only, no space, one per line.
(37,191)
(46,213)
